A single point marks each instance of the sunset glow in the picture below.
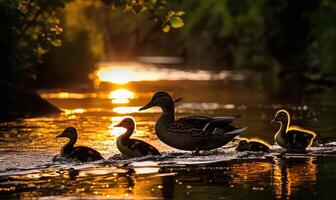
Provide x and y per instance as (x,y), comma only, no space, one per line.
(123,73)
(116,75)
(121,96)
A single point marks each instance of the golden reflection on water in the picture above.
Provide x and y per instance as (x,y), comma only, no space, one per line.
(128,184)
(63,95)
(126,109)
(74,111)
(250,171)
(117,74)
(290,176)
(121,96)
(91,183)
(122,73)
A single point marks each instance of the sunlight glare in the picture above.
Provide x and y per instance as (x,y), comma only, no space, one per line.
(123,73)
(126,109)
(121,96)
(74,111)
(116,75)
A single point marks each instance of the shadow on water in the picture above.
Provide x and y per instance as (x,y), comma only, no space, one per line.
(29,145)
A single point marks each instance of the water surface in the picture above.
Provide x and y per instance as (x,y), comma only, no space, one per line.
(29,146)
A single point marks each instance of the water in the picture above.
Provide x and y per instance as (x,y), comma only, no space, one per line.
(30,167)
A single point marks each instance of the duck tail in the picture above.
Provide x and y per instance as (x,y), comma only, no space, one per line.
(237,116)
(218,122)
(230,133)
(236,131)
(178,100)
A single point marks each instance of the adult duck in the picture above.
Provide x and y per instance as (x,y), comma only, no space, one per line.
(191,133)
(291,137)
(133,147)
(253,144)
(81,153)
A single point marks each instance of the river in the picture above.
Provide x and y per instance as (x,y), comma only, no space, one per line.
(31,168)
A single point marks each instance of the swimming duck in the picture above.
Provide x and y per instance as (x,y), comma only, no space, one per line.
(80,153)
(252,145)
(133,147)
(191,133)
(292,137)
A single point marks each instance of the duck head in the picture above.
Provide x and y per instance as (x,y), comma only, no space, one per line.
(69,132)
(242,145)
(281,116)
(162,100)
(127,123)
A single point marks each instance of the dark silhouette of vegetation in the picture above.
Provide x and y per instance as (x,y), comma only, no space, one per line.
(30,28)
(59,41)
(293,38)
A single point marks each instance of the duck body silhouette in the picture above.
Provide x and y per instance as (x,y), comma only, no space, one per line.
(253,145)
(290,137)
(80,153)
(133,147)
(191,133)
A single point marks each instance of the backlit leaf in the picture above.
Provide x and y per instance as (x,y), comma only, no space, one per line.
(166,28)
(176,22)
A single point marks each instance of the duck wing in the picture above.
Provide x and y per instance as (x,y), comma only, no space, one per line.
(84,154)
(297,136)
(195,121)
(208,124)
(142,148)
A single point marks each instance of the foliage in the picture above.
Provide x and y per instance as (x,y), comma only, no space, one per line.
(154,7)
(67,65)
(321,50)
(228,33)
(29,28)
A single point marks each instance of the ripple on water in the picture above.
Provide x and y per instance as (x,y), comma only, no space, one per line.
(120,175)
(18,161)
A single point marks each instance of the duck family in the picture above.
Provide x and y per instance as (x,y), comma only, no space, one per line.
(193,133)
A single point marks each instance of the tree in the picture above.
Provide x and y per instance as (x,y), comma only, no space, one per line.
(30,27)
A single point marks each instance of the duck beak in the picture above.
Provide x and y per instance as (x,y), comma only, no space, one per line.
(273,120)
(178,100)
(149,105)
(118,125)
(60,135)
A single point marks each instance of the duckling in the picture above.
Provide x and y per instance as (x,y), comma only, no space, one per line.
(80,153)
(292,137)
(191,133)
(253,145)
(133,147)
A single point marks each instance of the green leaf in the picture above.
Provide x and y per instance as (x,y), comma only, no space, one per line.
(166,28)
(179,13)
(176,22)
(56,42)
